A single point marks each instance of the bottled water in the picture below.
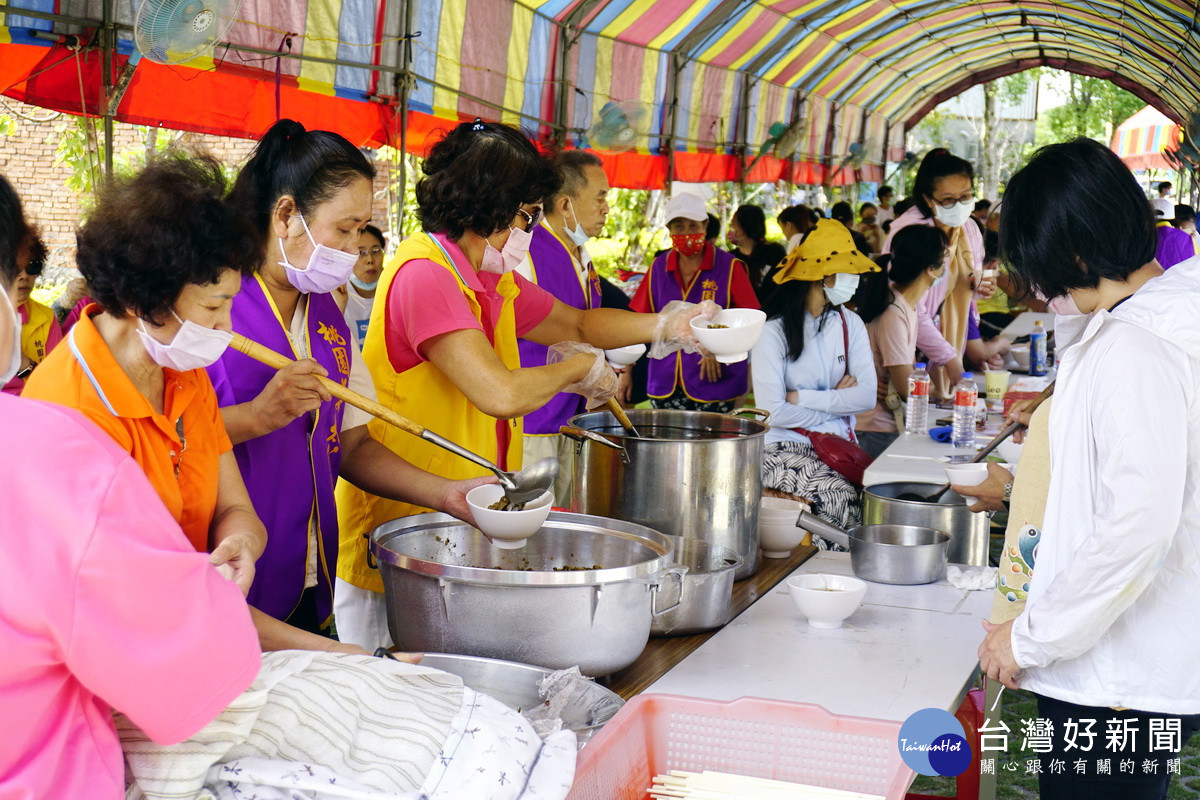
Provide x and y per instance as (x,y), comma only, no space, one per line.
(917,413)
(1037,349)
(966,395)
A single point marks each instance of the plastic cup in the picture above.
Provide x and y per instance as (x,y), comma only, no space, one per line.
(996,384)
(967,475)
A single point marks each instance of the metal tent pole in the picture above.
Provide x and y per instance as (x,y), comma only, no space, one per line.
(108,44)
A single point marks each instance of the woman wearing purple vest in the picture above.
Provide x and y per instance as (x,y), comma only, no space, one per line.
(694,270)
(308,194)
(813,370)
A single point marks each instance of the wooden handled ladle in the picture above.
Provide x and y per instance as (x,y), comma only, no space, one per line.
(519,487)
(1007,431)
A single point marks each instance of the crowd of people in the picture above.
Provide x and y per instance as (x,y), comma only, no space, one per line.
(236,495)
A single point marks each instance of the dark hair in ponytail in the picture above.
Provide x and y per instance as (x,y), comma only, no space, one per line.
(915,249)
(311,166)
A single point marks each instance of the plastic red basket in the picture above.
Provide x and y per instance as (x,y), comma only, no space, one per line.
(798,742)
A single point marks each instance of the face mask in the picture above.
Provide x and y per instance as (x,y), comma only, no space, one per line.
(327,268)
(844,286)
(577,234)
(14,359)
(516,250)
(1064,306)
(688,244)
(955,215)
(194,346)
(940,279)
(366,287)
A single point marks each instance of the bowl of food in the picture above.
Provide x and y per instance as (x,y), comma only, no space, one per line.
(624,356)
(505,524)
(731,333)
(826,600)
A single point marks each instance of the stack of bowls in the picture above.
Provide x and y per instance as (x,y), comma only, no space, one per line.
(777,531)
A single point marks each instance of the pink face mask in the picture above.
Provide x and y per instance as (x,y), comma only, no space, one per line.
(1064,306)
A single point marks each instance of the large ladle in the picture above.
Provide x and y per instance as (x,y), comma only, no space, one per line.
(519,487)
(1008,431)
(615,409)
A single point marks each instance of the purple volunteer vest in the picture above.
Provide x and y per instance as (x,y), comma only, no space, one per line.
(555,272)
(286,470)
(664,373)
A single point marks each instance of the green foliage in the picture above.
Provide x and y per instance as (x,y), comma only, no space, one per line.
(1094,107)
(8,125)
(630,235)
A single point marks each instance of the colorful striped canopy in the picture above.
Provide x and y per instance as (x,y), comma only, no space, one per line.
(703,79)
(1141,139)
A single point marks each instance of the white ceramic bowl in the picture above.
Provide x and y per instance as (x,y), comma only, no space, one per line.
(967,475)
(826,599)
(733,343)
(780,505)
(779,539)
(507,529)
(1020,355)
(624,356)
(1010,451)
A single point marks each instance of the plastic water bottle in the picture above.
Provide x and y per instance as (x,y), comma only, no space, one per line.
(966,394)
(1037,349)
(917,413)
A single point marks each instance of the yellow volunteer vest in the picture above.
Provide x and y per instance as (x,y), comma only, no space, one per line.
(36,331)
(425,395)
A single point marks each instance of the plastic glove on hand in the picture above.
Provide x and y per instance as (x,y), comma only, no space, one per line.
(599,384)
(674,331)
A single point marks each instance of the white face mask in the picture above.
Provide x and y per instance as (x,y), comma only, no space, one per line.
(14,359)
(954,216)
(327,268)
(516,250)
(939,279)
(193,347)
(577,234)
(844,286)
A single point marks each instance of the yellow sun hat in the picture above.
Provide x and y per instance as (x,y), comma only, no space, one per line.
(827,250)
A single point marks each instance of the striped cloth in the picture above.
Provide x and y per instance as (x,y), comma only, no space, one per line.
(318,726)
(794,469)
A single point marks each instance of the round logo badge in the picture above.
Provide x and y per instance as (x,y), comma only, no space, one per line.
(931,742)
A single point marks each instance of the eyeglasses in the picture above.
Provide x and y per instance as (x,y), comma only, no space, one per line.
(531,219)
(34,268)
(374,251)
(950,202)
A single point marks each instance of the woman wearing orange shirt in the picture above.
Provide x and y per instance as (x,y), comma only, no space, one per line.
(163,255)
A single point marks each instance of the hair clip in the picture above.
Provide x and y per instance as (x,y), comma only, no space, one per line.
(478,126)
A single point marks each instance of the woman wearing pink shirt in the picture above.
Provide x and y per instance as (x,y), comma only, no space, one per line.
(441,344)
(889,307)
(96,579)
(944,197)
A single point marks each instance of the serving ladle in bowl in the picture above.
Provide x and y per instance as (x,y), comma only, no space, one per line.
(519,487)
(996,441)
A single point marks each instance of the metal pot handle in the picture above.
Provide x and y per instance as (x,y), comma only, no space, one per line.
(672,575)
(814,524)
(581,436)
(758,412)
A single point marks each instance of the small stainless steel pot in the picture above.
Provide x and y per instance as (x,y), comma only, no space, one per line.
(900,554)
(968,531)
(706,597)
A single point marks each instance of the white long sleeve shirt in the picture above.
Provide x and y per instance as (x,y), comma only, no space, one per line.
(1113,615)
(821,365)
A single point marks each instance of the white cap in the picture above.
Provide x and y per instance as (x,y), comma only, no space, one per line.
(688,206)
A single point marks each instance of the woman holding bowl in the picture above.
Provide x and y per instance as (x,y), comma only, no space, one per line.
(442,340)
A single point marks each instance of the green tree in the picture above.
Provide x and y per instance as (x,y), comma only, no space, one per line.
(1094,107)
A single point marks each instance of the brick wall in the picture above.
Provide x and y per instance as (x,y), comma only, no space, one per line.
(27,159)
